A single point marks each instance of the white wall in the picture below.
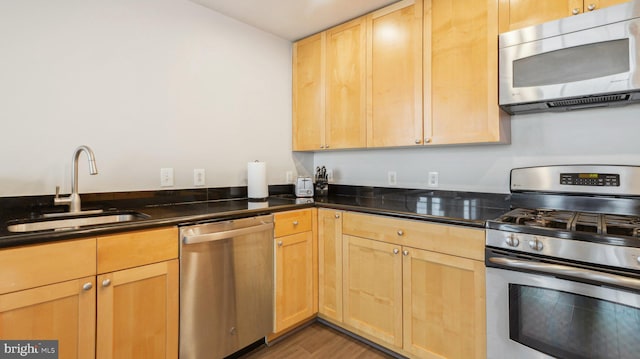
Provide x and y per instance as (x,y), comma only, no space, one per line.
(146,84)
(601,136)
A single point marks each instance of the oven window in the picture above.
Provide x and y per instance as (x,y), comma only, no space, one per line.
(570,326)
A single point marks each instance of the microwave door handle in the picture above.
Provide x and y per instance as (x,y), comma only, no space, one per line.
(578,273)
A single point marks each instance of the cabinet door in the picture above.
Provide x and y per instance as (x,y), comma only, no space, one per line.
(309,93)
(373,288)
(330,263)
(294,279)
(394,75)
(461,38)
(346,92)
(138,312)
(64,311)
(444,305)
(522,13)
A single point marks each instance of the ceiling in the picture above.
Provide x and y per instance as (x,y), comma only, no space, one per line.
(293,19)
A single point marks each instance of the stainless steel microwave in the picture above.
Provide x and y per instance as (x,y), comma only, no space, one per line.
(583,61)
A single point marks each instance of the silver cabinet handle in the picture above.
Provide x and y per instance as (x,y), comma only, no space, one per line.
(337,215)
(279,243)
(568,271)
(575,11)
(400,232)
(106,282)
(405,252)
(418,141)
(427,140)
(396,251)
(326,146)
(295,223)
(87,286)
(591,7)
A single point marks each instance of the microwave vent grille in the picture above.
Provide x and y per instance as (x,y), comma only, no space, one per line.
(589,100)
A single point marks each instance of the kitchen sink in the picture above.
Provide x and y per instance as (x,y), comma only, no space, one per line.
(76,222)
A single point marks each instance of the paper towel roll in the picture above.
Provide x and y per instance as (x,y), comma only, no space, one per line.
(257,180)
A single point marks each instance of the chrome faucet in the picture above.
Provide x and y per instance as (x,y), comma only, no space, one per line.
(73,201)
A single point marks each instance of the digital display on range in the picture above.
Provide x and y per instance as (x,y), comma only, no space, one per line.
(590,179)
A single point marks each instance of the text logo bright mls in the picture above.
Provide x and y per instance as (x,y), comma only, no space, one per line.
(31,349)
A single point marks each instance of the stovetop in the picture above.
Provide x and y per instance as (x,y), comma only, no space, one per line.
(573,221)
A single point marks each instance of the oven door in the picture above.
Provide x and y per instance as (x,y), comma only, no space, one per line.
(531,313)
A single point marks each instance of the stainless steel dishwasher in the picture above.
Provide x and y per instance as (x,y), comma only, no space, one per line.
(226,286)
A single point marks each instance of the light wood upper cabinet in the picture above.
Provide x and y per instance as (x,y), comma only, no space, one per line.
(372,290)
(330,264)
(516,14)
(296,268)
(138,312)
(309,93)
(444,305)
(346,91)
(329,92)
(460,49)
(394,75)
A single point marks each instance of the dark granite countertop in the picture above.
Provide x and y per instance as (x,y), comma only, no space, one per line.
(167,208)
(449,207)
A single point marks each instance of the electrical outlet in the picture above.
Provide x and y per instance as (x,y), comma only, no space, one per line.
(166,177)
(198,177)
(391,176)
(433,179)
(289,177)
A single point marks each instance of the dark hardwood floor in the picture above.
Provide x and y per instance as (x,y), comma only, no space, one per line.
(316,341)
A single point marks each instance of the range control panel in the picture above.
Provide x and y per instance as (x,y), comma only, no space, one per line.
(590,179)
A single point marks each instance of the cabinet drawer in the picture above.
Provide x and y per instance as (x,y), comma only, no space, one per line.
(455,240)
(41,264)
(292,222)
(132,249)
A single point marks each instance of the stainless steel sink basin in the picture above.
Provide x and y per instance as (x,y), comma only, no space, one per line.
(73,222)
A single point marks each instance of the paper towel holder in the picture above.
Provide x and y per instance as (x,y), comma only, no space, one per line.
(257,188)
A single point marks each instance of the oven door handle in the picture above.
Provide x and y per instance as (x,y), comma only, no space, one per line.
(578,273)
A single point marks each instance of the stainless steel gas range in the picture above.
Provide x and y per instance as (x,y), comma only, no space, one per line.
(563,266)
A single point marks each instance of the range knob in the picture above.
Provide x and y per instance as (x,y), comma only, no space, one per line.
(512,240)
(536,244)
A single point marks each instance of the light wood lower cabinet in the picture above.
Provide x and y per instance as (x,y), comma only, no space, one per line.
(65,312)
(51,292)
(415,287)
(137,312)
(296,284)
(330,264)
(444,305)
(373,288)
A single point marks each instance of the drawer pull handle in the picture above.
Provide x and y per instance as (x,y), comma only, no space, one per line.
(396,251)
(295,223)
(87,286)
(400,232)
(279,243)
(106,282)
(337,215)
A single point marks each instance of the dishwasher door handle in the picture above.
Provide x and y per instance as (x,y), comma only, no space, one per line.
(215,236)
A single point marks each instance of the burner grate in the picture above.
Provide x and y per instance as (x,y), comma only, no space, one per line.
(619,225)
